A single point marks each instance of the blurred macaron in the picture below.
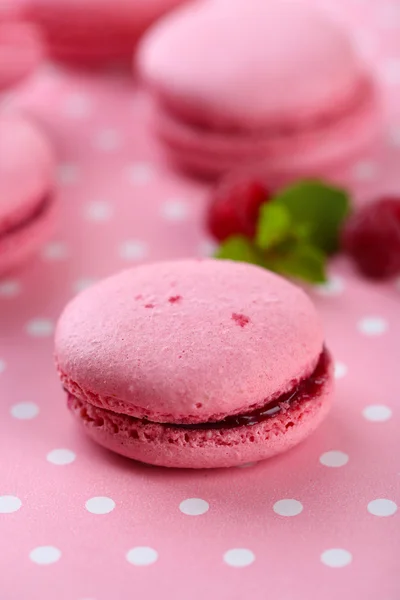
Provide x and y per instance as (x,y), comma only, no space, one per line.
(274,85)
(92,32)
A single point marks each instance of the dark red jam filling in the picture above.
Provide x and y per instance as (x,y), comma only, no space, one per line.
(38,212)
(307,389)
(304,390)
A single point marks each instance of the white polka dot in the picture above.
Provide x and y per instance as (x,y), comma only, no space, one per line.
(208,248)
(239,557)
(288,507)
(390,71)
(9,288)
(68,174)
(100,505)
(365,171)
(55,251)
(382,507)
(377,412)
(194,506)
(76,106)
(24,410)
(45,555)
(9,504)
(140,173)
(333,287)
(334,458)
(2,365)
(133,250)
(336,557)
(142,556)
(61,456)
(107,140)
(83,284)
(175,210)
(340,370)
(98,211)
(40,327)
(372,326)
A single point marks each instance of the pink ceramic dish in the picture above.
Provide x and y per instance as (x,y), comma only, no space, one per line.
(194,363)
(273,84)
(21,51)
(26,186)
(94,31)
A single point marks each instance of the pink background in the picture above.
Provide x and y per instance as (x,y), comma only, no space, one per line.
(337,535)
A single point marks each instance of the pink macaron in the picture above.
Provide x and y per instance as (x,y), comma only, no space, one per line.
(272,85)
(194,364)
(21,51)
(94,31)
(26,191)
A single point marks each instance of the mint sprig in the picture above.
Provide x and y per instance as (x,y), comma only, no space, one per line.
(296,232)
(320,208)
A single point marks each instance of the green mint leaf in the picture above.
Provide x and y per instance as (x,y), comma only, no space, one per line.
(238,247)
(302,261)
(318,209)
(274,225)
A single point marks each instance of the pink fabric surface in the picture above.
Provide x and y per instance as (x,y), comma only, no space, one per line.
(79,523)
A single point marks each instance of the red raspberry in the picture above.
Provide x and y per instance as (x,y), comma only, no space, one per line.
(235,206)
(372,237)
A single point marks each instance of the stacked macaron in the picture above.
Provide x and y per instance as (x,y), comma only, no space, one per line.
(273,85)
(93,31)
(26,156)
(26,186)
(194,363)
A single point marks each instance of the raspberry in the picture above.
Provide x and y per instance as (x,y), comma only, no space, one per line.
(234,208)
(372,238)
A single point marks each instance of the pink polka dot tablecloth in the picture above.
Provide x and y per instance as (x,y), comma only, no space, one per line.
(79,523)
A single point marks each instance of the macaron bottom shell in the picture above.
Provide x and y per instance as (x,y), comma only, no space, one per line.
(169,446)
(324,152)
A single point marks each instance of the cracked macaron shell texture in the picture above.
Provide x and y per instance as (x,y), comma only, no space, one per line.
(187,341)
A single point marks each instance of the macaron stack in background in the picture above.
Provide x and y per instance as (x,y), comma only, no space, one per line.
(276,86)
(26,191)
(93,31)
(27,164)
(195,364)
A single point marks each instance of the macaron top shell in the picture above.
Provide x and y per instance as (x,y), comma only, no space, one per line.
(26,169)
(187,341)
(271,60)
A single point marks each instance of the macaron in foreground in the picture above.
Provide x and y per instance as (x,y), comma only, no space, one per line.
(284,90)
(194,364)
(27,169)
